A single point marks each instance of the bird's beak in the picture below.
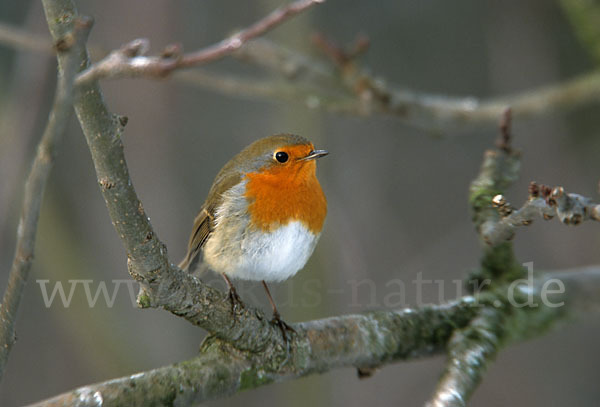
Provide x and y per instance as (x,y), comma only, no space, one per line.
(314,154)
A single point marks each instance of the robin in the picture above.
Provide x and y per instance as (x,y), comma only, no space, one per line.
(263,216)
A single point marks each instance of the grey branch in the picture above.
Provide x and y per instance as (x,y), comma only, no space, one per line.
(368,340)
(355,91)
(130,60)
(494,217)
(318,86)
(500,168)
(469,352)
(163,284)
(36,183)
(570,208)
(219,370)
(500,324)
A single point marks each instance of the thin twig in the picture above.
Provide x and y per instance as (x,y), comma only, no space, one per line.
(36,183)
(546,202)
(505,138)
(312,84)
(130,60)
(359,93)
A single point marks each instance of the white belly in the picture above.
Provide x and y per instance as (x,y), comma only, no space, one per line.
(257,255)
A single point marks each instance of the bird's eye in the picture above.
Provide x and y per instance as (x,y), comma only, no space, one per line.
(281,156)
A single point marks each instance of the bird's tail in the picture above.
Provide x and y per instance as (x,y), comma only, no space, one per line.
(189,262)
(192,264)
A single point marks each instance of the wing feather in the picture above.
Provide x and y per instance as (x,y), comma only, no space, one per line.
(203,225)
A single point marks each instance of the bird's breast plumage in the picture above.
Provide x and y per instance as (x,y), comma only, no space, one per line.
(254,246)
(279,196)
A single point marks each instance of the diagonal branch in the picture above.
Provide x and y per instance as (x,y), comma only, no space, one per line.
(163,284)
(470,350)
(36,183)
(130,61)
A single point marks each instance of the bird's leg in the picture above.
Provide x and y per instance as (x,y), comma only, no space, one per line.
(234,298)
(283,326)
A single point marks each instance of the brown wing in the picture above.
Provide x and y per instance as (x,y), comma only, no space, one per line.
(205,221)
(203,225)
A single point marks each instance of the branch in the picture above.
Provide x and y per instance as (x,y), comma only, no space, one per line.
(470,350)
(371,339)
(36,183)
(494,217)
(543,201)
(359,93)
(500,168)
(163,284)
(130,59)
(502,323)
(377,338)
(315,85)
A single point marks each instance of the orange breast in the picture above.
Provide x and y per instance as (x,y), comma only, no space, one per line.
(280,195)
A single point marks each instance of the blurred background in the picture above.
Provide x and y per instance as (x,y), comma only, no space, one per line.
(397,194)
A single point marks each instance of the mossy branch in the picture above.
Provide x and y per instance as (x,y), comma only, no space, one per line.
(470,350)
(472,326)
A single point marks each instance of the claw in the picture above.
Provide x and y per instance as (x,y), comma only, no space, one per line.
(283,327)
(235,300)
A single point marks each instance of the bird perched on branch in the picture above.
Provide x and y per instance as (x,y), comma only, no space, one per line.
(263,216)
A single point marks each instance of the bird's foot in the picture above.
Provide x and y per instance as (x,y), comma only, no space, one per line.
(235,300)
(283,327)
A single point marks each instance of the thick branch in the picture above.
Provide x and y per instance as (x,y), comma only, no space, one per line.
(36,183)
(371,339)
(528,310)
(470,350)
(366,340)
